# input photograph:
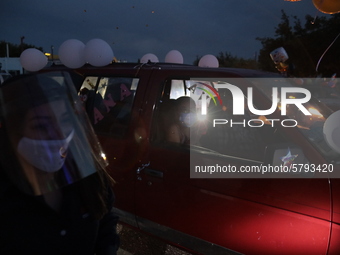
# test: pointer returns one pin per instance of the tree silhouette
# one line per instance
(226, 59)
(14, 49)
(312, 48)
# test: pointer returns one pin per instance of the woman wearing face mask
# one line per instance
(55, 196)
(184, 130)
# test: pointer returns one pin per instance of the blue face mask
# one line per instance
(188, 119)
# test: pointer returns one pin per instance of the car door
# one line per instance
(113, 98)
(225, 215)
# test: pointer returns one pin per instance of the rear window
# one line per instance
(108, 102)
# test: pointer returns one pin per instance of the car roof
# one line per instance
(220, 71)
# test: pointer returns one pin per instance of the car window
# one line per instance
(184, 117)
(108, 101)
(311, 126)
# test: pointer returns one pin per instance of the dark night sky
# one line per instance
(133, 28)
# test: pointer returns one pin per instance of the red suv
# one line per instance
(209, 170)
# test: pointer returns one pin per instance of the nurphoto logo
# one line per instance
(239, 99)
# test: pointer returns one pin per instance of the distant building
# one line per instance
(11, 65)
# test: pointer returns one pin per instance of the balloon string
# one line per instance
(317, 66)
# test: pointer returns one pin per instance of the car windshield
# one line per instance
(311, 126)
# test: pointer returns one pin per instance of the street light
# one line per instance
(52, 47)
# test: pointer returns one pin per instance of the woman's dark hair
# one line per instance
(94, 190)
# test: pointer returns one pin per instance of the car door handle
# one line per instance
(141, 168)
(153, 173)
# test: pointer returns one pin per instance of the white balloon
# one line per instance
(152, 57)
(33, 60)
(208, 61)
(72, 53)
(174, 56)
(98, 52)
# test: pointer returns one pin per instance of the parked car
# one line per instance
(191, 193)
(4, 76)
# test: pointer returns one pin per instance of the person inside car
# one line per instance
(55, 195)
(185, 127)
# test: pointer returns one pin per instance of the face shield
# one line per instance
(47, 141)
